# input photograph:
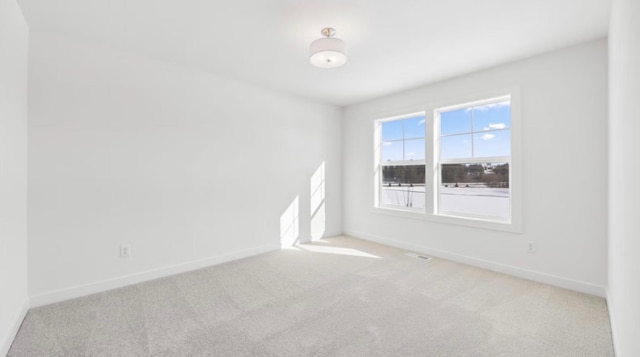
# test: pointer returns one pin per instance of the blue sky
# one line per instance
(488, 132)
(481, 131)
(412, 130)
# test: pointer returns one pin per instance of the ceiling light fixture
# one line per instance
(328, 52)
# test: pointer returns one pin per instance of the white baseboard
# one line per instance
(7, 340)
(51, 297)
(612, 322)
(576, 285)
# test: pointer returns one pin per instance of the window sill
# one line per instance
(453, 220)
(398, 212)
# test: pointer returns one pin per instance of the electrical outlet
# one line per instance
(531, 248)
(125, 250)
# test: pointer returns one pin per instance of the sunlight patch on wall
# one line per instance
(317, 188)
(317, 192)
(290, 224)
(318, 223)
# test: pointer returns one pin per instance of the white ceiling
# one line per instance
(393, 44)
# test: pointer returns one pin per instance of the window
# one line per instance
(401, 166)
(474, 146)
(456, 164)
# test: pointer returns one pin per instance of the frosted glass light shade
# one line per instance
(328, 52)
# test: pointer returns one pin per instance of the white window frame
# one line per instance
(465, 160)
(379, 164)
(432, 151)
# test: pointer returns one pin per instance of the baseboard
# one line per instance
(612, 322)
(576, 285)
(109, 284)
(7, 340)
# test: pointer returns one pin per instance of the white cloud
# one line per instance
(411, 154)
(488, 136)
(387, 143)
(421, 121)
(496, 126)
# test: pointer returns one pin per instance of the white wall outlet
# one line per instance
(125, 250)
(531, 248)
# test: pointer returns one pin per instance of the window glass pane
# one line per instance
(403, 186)
(456, 146)
(414, 127)
(392, 150)
(414, 149)
(455, 121)
(492, 116)
(392, 130)
(475, 190)
(492, 143)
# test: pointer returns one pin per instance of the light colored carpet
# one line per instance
(337, 297)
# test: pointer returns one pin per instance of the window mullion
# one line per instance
(403, 139)
(476, 160)
(473, 130)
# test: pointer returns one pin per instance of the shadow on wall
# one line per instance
(290, 219)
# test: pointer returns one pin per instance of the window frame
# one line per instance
(380, 164)
(438, 161)
(432, 151)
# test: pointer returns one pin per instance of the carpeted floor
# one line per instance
(337, 297)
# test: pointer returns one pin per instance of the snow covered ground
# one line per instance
(493, 202)
(412, 197)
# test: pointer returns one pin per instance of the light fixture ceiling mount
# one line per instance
(328, 52)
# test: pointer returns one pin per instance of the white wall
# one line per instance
(188, 168)
(564, 128)
(624, 169)
(14, 37)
